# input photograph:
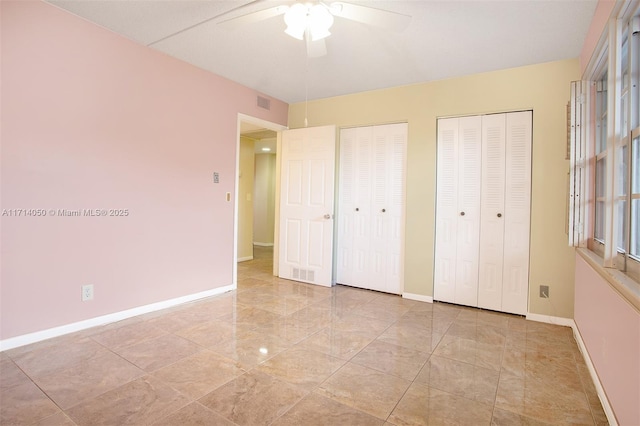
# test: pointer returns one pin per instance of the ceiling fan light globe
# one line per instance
(296, 19)
(319, 16)
(313, 21)
(296, 15)
(320, 20)
(296, 32)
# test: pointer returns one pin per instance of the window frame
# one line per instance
(622, 101)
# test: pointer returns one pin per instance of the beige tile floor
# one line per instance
(284, 353)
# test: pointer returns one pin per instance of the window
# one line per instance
(601, 155)
(634, 249)
(615, 146)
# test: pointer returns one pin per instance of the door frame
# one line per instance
(278, 128)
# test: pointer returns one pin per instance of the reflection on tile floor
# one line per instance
(285, 353)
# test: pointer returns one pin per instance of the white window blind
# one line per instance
(578, 165)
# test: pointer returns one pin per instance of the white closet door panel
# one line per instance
(444, 286)
(364, 213)
(372, 207)
(391, 211)
(517, 213)
(364, 168)
(396, 210)
(492, 212)
(395, 256)
(379, 243)
(346, 207)
(468, 224)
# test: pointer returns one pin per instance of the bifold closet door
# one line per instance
(353, 211)
(371, 207)
(492, 220)
(517, 212)
(458, 210)
(483, 211)
(387, 207)
(506, 201)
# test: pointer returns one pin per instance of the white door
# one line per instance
(483, 211)
(388, 203)
(517, 213)
(458, 210)
(492, 212)
(371, 207)
(354, 221)
(306, 204)
(347, 207)
(444, 287)
(469, 174)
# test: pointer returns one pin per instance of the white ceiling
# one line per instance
(444, 39)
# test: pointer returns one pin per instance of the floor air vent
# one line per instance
(303, 274)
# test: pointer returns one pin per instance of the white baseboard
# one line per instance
(418, 297)
(255, 243)
(606, 406)
(567, 322)
(27, 339)
(244, 259)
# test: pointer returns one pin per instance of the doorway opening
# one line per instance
(256, 191)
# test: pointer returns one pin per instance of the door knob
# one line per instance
(357, 209)
(499, 214)
(461, 213)
(327, 216)
(384, 210)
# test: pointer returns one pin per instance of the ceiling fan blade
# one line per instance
(204, 21)
(370, 15)
(316, 48)
(252, 17)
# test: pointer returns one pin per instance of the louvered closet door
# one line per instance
(444, 286)
(363, 212)
(387, 208)
(345, 259)
(371, 209)
(517, 213)
(483, 211)
(492, 212)
(469, 184)
(355, 211)
(458, 210)
(396, 196)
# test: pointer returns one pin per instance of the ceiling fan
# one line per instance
(311, 20)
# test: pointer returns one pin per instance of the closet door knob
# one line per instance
(499, 214)
(357, 209)
(384, 210)
(461, 213)
(327, 216)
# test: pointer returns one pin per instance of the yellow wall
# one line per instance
(264, 199)
(544, 88)
(245, 199)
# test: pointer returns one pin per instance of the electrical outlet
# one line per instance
(544, 291)
(87, 292)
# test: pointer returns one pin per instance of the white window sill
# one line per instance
(628, 288)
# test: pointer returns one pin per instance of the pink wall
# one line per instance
(91, 120)
(610, 329)
(597, 27)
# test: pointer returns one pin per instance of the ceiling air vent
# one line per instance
(264, 102)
